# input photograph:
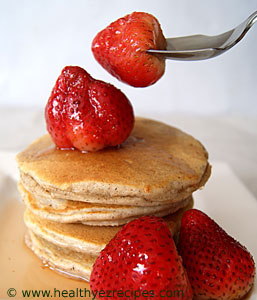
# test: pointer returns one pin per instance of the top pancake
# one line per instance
(157, 163)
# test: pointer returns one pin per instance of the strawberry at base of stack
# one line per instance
(142, 261)
(218, 266)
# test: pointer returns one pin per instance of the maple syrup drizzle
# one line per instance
(22, 269)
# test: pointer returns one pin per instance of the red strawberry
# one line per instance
(87, 114)
(141, 262)
(218, 266)
(121, 49)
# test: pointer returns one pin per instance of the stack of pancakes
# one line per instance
(76, 202)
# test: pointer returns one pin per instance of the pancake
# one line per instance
(95, 214)
(83, 238)
(75, 264)
(157, 164)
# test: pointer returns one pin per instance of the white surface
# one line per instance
(8, 166)
(224, 198)
(38, 38)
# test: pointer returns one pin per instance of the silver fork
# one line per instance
(198, 47)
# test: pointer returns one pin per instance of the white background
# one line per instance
(38, 38)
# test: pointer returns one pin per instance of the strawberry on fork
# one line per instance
(121, 49)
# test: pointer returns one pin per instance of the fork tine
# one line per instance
(198, 47)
